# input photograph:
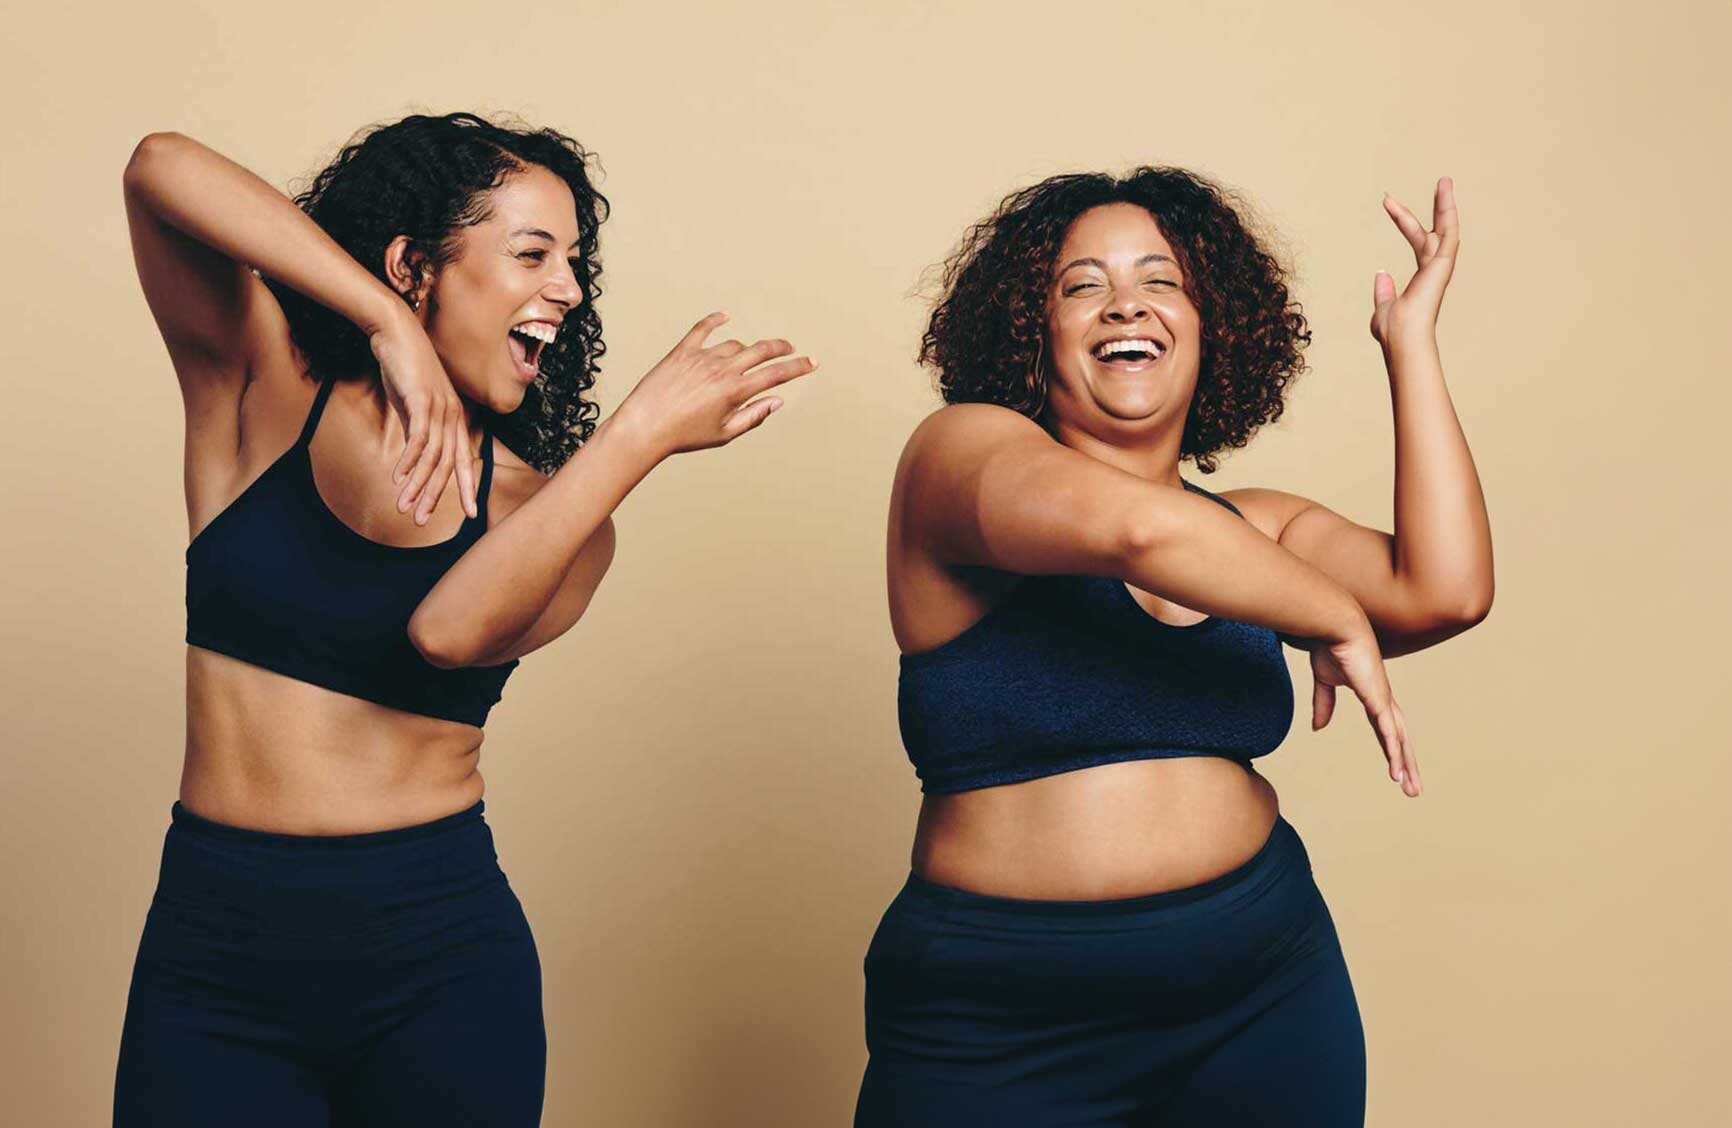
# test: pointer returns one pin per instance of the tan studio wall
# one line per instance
(699, 793)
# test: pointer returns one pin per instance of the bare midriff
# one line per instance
(268, 752)
(1101, 833)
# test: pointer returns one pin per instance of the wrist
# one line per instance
(1410, 345)
(633, 433)
(385, 317)
(1350, 623)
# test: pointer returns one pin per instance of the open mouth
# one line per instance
(1129, 352)
(528, 341)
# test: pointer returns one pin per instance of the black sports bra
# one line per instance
(278, 580)
(1066, 672)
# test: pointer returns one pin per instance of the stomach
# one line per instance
(267, 752)
(1102, 833)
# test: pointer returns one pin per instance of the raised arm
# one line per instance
(983, 485)
(1432, 577)
(529, 578)
(198, 222)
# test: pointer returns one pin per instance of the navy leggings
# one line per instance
(379, 979)
(1221, 1003)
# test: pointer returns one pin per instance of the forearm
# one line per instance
(210, 198)
(1194, 552)
(1442, 535)
(499, 588)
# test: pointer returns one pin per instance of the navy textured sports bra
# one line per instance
(279, 581)
(1066, 672)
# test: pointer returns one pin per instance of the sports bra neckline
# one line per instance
(301, 450)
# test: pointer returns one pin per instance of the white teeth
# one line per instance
(1135, 344)
(540, 330)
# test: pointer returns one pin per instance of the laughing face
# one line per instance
(495, 307)
(1124, 339)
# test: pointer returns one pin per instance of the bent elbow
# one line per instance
(1476, 605)
(1137, 535)
(441, 651)
(145, 155)
(1461, 614)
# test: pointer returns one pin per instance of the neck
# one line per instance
(382, 420)
(1155, 460)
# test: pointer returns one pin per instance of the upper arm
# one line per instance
(1359, 558)
(209, 308)
(570, 600)
(983, 485)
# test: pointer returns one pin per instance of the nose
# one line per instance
(563, 288)
(1127, 307)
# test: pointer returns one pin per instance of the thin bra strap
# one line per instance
(485, 485)
(312, 423)
(1216, 498)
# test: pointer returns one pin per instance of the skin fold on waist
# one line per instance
(1100, 833)
(267, 752)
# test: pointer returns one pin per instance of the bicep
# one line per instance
(569, 601)
(982, 485)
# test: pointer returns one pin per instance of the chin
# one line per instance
(1131, 409)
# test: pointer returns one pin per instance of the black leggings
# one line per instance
(376, 979)
(1225, 1003)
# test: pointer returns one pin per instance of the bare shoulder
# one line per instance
(1268, 510)
(964, 430)
(966, 421)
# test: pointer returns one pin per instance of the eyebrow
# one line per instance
(538, 233)
(1095, 262)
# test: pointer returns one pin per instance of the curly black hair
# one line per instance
(988, 328)
(426, 177)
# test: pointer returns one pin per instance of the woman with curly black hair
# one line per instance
(332, 940)
(1108, 921)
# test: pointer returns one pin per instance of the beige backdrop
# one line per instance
(699, 794)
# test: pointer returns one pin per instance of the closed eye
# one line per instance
(1080, 287)
(533, 256)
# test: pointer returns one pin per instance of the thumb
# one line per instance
(1382, 289)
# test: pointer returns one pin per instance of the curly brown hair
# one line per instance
(988, 328)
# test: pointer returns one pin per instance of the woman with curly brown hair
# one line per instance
(1108, 921)
(332, 939)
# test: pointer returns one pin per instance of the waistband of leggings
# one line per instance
(280, 878)
(1282, 852)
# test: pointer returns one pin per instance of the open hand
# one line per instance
(700, 396)
(1413, 312)
(435, 422)
(1358, 664)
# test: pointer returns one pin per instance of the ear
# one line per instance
(406, 270)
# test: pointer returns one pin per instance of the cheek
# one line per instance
(1068, 328)
(1181, 314)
